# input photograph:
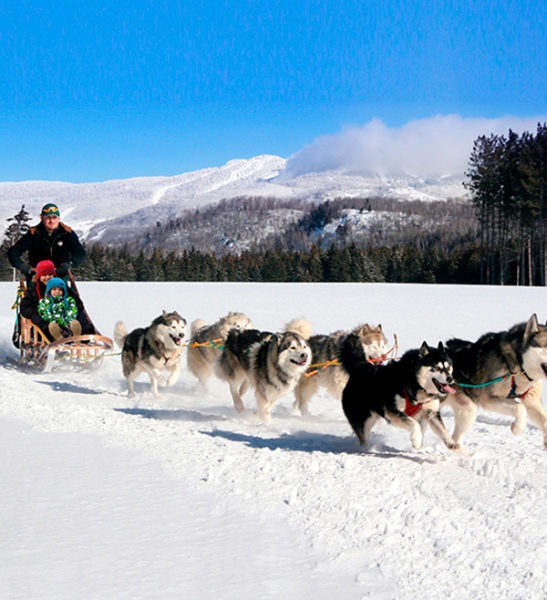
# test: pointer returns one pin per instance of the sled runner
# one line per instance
(39, 351)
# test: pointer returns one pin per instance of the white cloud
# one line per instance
(435, 146)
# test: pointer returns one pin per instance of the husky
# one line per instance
(201, 359)
(407, 393)
(270, 363)
(152, 349)
(508, 368)
(326, 351)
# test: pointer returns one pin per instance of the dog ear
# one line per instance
(531, 329)
(440, 347)
(424, 349)
(272, 342)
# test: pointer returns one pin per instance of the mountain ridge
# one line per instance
(95, 208)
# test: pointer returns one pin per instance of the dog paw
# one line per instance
(172, 380)
(239, 406)
(417, 440)
(517, 426)
(265, 417)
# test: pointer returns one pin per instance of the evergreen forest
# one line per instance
(495, 237)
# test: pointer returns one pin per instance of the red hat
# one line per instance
(45, 267)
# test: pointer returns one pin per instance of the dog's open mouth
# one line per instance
(443, 388)
(177, 339)
(544, 367)
(300, 362)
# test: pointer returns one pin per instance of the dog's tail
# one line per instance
(300, 325)
(352, 355)
(120, 333)
(464, 357)
(196, 326)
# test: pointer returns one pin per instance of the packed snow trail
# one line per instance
(387, 523)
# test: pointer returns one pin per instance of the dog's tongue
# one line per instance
(447, 388)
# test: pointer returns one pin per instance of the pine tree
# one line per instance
(533, 207)
(16, 229)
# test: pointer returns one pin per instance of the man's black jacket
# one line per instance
(62, 246)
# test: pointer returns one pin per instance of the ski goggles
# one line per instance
(50, 210)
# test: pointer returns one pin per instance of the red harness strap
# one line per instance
(411, 409)
(513, 393)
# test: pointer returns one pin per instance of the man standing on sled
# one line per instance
(49, 240)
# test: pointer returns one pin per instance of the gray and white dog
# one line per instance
(206, 343)
(508, 367)
(152, 349)
(271, 363)
(326, 350)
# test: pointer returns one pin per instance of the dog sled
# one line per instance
(37, 350)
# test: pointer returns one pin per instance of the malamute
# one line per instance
(407, 393)
(326, 350)
(152, 349)
(507, 369)
(205, 340)
(270, 363)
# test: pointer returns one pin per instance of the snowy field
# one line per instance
(107, 499)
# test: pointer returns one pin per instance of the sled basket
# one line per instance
(39, 351)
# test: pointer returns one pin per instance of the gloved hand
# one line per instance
(62, 269)
(25, 269)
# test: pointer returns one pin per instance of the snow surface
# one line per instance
(103, 498)
(92, 208)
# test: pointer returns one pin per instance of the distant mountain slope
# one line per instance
(108, 208)
(260, 224)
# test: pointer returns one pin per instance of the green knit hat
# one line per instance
(50, 210)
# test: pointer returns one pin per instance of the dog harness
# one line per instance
(411, 409)
(512, 395)
(513, 391)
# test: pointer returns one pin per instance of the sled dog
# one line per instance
(509, 366)
(326, 348)
(201, 359)
(152, 349)
(270, 363)
(407, 393)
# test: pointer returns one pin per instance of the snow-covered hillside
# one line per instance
(107, 499)
(93, 208)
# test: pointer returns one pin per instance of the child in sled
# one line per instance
(36, 290)
(59, 310)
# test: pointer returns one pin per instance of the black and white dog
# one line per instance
(152, 349)
(502, 371)
(407, 392)
(270, 363)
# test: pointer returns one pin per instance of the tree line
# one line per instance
(496, 238)
(507, 176)
(401, 264)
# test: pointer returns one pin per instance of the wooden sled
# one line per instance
(38, 351)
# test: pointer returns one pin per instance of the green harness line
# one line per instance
(479, 385)
(513, 395)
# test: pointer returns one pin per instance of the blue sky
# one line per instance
(92, 91)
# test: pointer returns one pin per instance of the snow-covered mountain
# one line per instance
(93, 208)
